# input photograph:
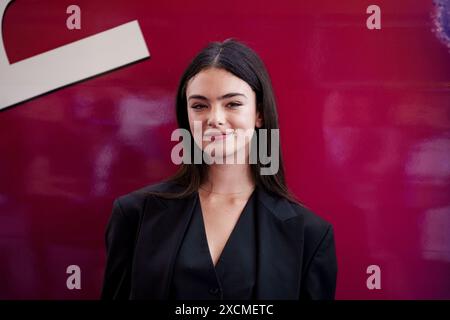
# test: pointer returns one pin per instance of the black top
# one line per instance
(196, 278)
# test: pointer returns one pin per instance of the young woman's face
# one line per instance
(224, 107)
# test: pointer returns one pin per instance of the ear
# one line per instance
(259, 120)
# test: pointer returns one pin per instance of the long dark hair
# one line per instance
(240, 60)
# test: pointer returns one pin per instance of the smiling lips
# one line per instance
(219, 137)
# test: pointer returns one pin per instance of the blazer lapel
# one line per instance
(279, 249)
(162, 228)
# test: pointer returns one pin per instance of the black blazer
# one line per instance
(295, 251)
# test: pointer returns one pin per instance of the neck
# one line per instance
(228, 179)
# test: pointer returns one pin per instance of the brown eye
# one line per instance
(234, 104)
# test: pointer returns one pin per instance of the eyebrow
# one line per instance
(225, 96)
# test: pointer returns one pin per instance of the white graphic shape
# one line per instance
(68, 64)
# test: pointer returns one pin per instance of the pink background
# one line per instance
(365, 128)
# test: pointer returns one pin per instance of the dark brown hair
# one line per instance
(240, 60)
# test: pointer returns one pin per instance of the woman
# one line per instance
(220, 229)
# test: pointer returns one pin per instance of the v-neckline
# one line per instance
(227, 242)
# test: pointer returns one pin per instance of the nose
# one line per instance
(216, 117)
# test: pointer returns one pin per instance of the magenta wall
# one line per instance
(365, 128)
